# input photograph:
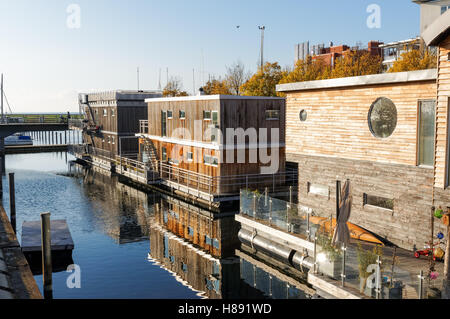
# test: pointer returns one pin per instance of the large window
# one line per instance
(382, 118)
(426, 132)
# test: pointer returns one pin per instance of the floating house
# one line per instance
(380, 132)
(112, 119)
(212, 146)
(437, 33)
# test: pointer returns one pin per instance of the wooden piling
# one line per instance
(12, 202)
(46, 255)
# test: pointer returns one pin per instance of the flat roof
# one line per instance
(212, 97)
(400, 42)
(385, 78)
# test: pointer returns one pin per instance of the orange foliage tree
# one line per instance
(356, 63)
(307, 70)
(264, 81)
(216, 86)
(413, 60)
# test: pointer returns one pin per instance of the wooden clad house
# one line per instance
(185, 140)
(437, 33)
(378, 131)
(113, 115)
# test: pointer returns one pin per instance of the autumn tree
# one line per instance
(174, 88)
(356, 63)
(216, 86)
(416, 59)
(307, 70)
(236, 76)
(264, 81)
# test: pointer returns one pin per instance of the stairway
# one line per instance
(152, 154)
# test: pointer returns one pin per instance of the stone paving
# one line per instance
(4, 279)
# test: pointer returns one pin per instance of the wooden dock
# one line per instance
(61, 237)
(25, 149)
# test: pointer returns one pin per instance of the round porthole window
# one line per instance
(303, 115)
(382, 118)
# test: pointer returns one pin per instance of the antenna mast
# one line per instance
(138, 77)
(262, 28)
(159, 83)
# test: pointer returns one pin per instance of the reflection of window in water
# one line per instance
(166, 246)
(184, 267)
(216, 244)
(166, 217)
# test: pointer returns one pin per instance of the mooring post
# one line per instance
(46, 255)
(12, 201)
(60, 138)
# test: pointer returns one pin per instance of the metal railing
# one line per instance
(374, 271)
(40, 118)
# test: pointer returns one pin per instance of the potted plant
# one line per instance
(365, 259)
(393, 289)
(329, 257)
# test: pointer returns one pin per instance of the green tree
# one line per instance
(264, 81)
(413, 60)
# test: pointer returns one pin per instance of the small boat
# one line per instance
(18, 139)
(356, 232)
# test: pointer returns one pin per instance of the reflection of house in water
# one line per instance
(214, 234)
(199, 251)
(120, 210)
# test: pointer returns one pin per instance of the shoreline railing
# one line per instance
(374, 271)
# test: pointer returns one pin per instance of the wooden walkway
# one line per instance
(61, 237)
(25, 149)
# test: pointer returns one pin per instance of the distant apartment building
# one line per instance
(329, 54)
(393, 51)
(112, 115)
(186, 141)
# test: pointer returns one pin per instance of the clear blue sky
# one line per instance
(45, 63)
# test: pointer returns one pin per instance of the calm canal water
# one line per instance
(130, 244)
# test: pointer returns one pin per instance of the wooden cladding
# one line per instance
(167, 117)
(337, 122)
(442, 115)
